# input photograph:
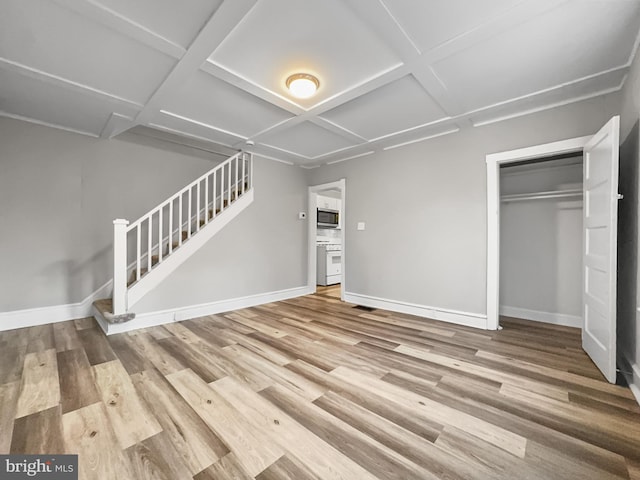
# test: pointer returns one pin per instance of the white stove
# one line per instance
(329, 259)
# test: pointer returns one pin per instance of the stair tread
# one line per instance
(104, 305)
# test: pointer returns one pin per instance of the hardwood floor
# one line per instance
(313, 388)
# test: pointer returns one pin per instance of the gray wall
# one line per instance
(262, 250)
(628, 285)
(540, 242)
(425, 207)
(59, 193)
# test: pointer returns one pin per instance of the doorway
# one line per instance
(326, 245)
(599, 245)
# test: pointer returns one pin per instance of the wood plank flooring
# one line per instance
(313, 388)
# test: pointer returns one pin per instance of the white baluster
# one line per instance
(215, 200)
(198, 207)
(120, 266)
(189, 216)
(229, 185)
(251, 170)
(138, 257)
(170, 249)
(236, 179)
(160, 235)
(149, 240)
(206, 200)
(180, 220)
(243, 173)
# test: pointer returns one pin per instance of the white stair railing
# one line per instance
(145, 244)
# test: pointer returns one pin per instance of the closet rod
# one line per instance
(519, 197)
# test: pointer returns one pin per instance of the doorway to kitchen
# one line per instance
(326, 253)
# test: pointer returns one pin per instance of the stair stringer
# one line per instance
(180, 255)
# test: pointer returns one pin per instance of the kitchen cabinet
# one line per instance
(328, 202)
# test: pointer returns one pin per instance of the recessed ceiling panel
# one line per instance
(281, 37)
(215, 102)
(308, 140)
(42, 35)
(575, 40)
(48, 103)
(430, 23)
(402, 104)
(175, 21)
(591, 87)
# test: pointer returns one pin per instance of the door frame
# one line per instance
(494, 161)
(312, 229)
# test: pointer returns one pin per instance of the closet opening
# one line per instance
(540, 239)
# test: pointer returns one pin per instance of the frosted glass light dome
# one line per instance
(302, 85)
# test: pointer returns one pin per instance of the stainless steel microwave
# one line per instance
(328, 218)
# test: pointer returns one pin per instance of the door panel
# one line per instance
(600, 247)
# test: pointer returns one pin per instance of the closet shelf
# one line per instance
(519, 197)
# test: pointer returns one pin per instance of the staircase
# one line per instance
(146, 251)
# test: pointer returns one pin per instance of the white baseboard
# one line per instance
(631, 372)
(477, 320)
(57, 313)
(538, 316)
(153, 319)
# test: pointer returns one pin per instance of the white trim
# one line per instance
(47, 124)
(476, 320)
(267, 157)
(364, 154)
(540, 316)
(531, 111)
(161, 317)
(111, 19)
(58, 81)
(202, 124)
(422, 139)
(57, 313)
(494, 160)
(180, 132)
(313, 229)
(631, 373)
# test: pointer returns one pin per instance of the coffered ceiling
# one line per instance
(391, 72)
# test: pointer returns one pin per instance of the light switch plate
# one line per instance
(360, 225)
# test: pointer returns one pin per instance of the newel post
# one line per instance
(120, 266)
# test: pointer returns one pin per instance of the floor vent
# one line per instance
(366, 309)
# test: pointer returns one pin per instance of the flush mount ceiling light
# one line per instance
(302, 85)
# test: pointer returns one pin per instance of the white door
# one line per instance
(600, 247)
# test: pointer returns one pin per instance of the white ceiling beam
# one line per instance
(383, 23)
(97, 12)
(34, 73)
(219, 25)
(387, 27)
(221, 73)
(337, 129)
(114, 124)
(343, 97)
(508, 20)
(46, 124)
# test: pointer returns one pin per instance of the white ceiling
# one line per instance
(391, 71)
